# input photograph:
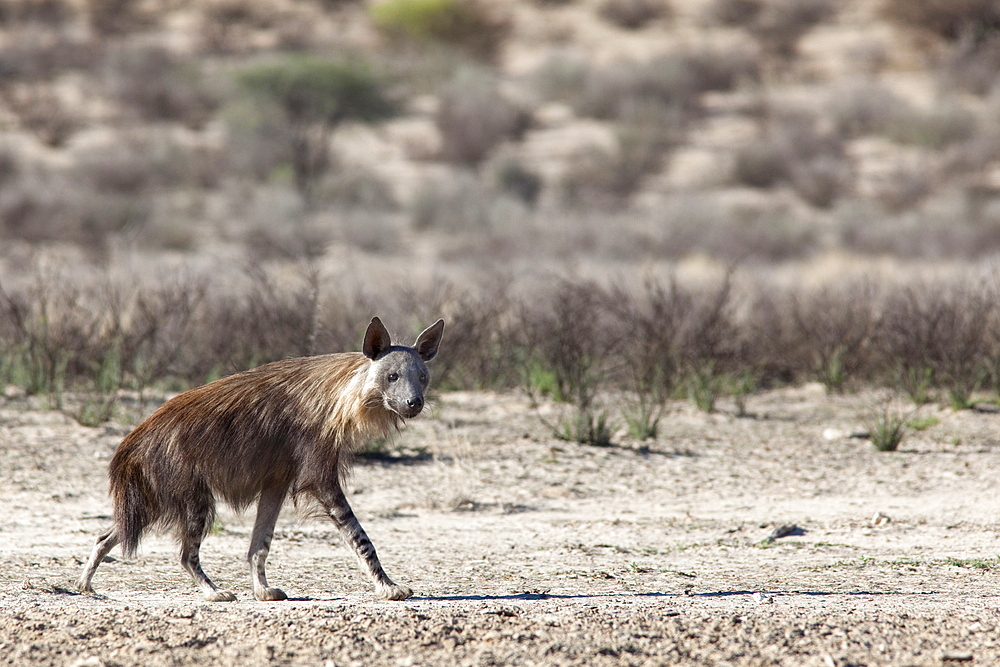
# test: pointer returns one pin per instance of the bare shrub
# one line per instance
(474, 117)
(143, 162)
(481, 326)
(822, 179)
(49, 331)
(29, 210)
(226, 25)
(62, 333)
(781, 23)
(47, 12)
(835, 326)
(864, 108)
(356, 189)
(152, 328)
(573, 342)
(737, 13)
(122, 168)
(677, 339)
(267, 319)
(260, 140)
(158, 85)
(693, 224)
(464, 204)
(653, 102)
(760, 165)
(941, 334)
(672, 335)
(118, 17)
(41, 205)
(793, 151)
(634, 14)
(561, 76)
(32, 54)
(943, 226)
(722, 68)
(606, 178)
(43, 113)
(973, 64)
(672, 82)
(936, 127)
(906, 187)
(569, 346)
(514, 177)
(950, 19)
(766, 339)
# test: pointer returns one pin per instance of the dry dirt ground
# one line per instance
(523, 549)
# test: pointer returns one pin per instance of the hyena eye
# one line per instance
(393, 377)
(423, 378)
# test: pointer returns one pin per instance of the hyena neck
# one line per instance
(357, 413)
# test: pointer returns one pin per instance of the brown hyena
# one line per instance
(287, 428)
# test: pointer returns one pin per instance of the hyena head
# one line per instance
(399, 373)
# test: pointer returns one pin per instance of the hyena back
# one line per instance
(287, 428)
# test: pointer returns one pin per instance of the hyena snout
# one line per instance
(408, 406)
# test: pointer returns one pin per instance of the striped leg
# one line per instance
(260, 543)
(340, 511)
(105, 543)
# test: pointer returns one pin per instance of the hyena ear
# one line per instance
(376, 339)
(428, 341)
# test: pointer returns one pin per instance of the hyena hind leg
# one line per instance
(193, 532)
(350, 528)
(268, 509)
(107, 541)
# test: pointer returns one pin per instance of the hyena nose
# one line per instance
(416, 402)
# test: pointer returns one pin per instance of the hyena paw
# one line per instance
(220, 596)
(270, 594)
(394, 592)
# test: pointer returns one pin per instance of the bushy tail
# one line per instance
(134, 505)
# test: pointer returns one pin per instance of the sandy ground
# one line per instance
(523, 549)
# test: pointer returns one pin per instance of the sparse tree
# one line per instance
(314, 96)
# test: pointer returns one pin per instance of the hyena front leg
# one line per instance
(340, 511)
(260, 543)
(105, 543)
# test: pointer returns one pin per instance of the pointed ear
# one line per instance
(376, 339)
(428, 341)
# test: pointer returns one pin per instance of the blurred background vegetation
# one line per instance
(188, 188)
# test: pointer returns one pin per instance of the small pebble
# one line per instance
(880, 519)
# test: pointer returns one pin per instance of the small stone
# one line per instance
(956, 656)
(879, 519)
(92, 661)
(784, 530)
(762, 598)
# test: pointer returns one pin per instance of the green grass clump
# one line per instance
(587, 428)
(887, 426)
(923, 423)
(468, 25)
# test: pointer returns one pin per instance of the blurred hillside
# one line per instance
(508, 133)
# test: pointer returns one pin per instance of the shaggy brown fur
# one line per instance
(285, 428)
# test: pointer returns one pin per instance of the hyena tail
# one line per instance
(134, 506)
